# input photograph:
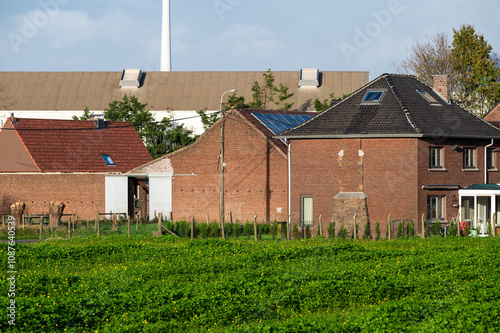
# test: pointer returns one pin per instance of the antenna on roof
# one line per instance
(165, 64)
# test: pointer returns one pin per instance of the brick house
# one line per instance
(395, 146)
(64, 160)
(255, 173)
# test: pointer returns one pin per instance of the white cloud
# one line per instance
(245, 41)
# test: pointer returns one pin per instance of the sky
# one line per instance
(230, 35)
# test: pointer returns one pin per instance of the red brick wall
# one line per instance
(255, 176)
(493, 117)
(83, 194)
(453, 174)
(385, 173)
(391, 173)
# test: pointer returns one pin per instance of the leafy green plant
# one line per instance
(436, 228)
(214, 230)
(295, 231)
(343, 232)
(308, 232)
(411, 229)
(274, 230)
(248, 230)
(452, 231)
(377, 230)
(331, 230)
(204, 230)
(401, 229)
(367, 232)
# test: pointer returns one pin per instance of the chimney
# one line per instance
(165, 64)
(442, 85)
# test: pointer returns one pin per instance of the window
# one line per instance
(428, 97)
(436, 158)
(469, 158)
(373, 96)
(435, 207)
(491, 159)
(107, 159)
(307, 210)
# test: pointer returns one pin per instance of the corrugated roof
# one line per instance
(161, 90)
(401, 112)
(77, 145)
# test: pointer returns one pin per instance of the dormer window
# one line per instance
(428, 97)
(373, 96)
(108, 160)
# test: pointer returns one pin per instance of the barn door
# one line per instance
(116, 194)
(160, 194)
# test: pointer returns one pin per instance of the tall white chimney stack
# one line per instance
(165, 64)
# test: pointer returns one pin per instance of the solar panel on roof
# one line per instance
(278, 123)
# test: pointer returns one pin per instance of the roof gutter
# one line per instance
(349, 136)
(486, 161)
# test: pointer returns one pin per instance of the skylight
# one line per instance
(428, 97)
(373, 96)
(107, 159)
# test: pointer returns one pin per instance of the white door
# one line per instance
(160, 194)
(116, 194)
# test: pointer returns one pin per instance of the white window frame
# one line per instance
(491, 159)
(304, 209)
(436, 158)
(439, 201)
(470, 158)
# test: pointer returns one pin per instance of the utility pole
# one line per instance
(222, 165)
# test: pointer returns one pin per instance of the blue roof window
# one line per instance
(108, 160)
(373, 96)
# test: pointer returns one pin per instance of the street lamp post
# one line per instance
(222, 165)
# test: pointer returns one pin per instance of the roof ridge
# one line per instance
(400, 100)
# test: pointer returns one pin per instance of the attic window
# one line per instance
(373, 96)
(108, 160)
(131, 78)
(428, 97)
(309, 77)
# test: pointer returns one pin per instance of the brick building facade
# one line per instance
(255, 175)
(64, 160)
(400, 144)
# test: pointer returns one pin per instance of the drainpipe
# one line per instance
(486, 161)
(289, 190)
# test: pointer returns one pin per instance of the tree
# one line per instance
(86, 114)
(269, 93)
(327, 102)
(159, 137)
(477, 85)
(428, 58)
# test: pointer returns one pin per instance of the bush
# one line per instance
(377, 230)
(274, 230)
(436, 228)
(401, 229)
(331, 230)
(411, 229)
(367, 234)
(295, 231)
(204, 230)
(214, 230)
(248, 229)
(308, 232)
(236, 229)
(452, 231)
(284, 229)
(343, 232)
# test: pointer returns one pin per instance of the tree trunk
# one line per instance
(56, 209)
(17, 210)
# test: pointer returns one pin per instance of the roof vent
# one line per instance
(99, 123)
(309, 77)
(131, 78)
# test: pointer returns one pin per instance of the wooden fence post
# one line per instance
(97, 225)
(159, 225)
(192, 228)
(255, 226)
(41, 228)
(231, 217)
(115, 225)
(136, 222)
(423, 226)
(320, 225)
(389, 227)
(69, 228)
(128, 225)
(354, 230)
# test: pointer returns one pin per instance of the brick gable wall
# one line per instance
(255, 176)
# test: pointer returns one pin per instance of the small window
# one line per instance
(491, 159)
(428, 97)
(307, 210)
(435, 207)
(469, 158)
(107, 159)
(373, 96)
(436, 158)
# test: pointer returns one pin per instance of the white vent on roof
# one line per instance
(309, 77)
(131, 78)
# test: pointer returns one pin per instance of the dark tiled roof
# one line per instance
(402, 112)
(77, 145)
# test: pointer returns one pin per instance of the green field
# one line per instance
(121, 284)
